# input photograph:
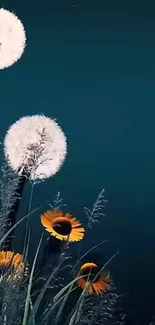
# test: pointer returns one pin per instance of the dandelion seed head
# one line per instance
(35, 146)
(12, 38)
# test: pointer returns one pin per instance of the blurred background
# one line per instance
(91, 66)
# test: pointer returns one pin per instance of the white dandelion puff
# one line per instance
(35, 147)
(12, 38)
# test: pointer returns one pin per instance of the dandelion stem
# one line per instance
(27, 233)
(16, 224)
(27, 303)
(14, 210)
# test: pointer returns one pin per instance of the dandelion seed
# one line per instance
(12, 38)
(35, 147)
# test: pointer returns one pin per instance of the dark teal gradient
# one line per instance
(92, 67)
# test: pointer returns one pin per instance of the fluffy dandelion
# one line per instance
(12, 38)
(62, 227)
(35, 147)
(98, 284)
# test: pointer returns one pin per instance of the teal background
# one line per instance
(91, 66)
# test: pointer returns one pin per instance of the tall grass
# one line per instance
(35, 298)
(50, 304)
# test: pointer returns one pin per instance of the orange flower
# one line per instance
(9, 258)
(98, 284)
(63, 227)
(13, 262)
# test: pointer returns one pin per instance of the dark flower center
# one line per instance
(91, 273)
(62, 227)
